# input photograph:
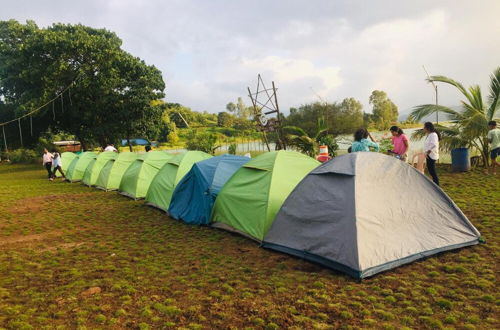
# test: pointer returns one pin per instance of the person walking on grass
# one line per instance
(57, 165)
(361, 142)
(47, 162)
(400, 143)
(494, 140)
(431, 150)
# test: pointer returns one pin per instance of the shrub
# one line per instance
(203, 141)
(173, 138)
(232, 149)
(24, 156)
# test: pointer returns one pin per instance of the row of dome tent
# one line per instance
(360, 213)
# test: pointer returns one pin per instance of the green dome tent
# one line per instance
(94, 168)
(138, 176)
(77, 168)
(71, 166)
(249, 201)
(364, 212)
(163, 185)
(112, 172)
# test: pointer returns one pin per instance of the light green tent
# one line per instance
(163, 185)
(140, 173)
(249, 201)
(112, 172)
(66, 159)
(71, 166)
(94, 168)
(77, 168)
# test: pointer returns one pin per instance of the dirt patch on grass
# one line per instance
(19, 239)
(62, 246)
(41, 203)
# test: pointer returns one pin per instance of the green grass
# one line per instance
(58, 240)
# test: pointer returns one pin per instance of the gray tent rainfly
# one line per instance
(363, 213)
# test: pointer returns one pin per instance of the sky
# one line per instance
(210, 51)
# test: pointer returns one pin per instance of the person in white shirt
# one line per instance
(110, 147)
(431, 150)
(57, 165)
(47, 162)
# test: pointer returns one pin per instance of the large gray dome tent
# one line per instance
(363, 213)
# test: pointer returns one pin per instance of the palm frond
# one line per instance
(425, 110)
(418, 134)
(304, 144)
(443, 131)
(477, 99)
(474, 126)
(452, 82)
(449, 143)
(494, 96)
(294, 130)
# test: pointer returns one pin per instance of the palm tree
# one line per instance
(470, 124)
(298, 138)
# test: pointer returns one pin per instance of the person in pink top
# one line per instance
(47, 162)
(400, 143)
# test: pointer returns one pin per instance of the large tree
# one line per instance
(385, 112)
(470, 123)
(111, 94)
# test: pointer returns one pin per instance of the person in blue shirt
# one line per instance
(361, 142)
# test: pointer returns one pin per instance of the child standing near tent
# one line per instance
(431, 150)
(400, 143)
(47, 162)
(57, 164)
(361, 142)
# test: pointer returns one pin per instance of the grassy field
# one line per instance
(77, 257)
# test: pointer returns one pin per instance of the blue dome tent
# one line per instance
(195, 194)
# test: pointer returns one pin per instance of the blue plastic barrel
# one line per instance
(460, 161)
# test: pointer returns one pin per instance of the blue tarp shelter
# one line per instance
(195, 194)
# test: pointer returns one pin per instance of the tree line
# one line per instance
(114, 95)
